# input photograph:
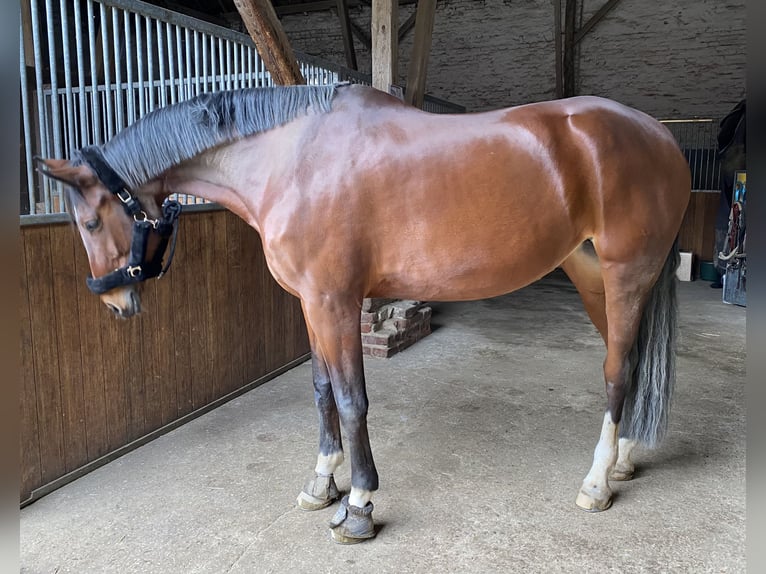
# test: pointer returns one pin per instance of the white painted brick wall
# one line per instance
(670, 58)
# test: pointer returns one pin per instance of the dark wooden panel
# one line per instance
(151, 344)
(45, 352)
(205, 375)
(252, 307)
(697, 232)
(223, 316)
(66, 310)
(235, 291)
(129, 341)
(166, 343)
(29, 452)
(92, 383)
(98, 363)
(179, 277)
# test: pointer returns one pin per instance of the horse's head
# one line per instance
(124, 237)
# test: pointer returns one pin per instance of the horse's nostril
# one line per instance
(114, 308)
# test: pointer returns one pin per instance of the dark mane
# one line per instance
(170, 135)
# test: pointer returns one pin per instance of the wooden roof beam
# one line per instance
(421, 49)
(595, 19)
(270, 40)
(319, 5)
(348, 38)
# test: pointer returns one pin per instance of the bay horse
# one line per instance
(356, 194)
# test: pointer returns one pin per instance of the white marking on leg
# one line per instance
(359, 497)
(596, 485)
(625, 446)
(327, 463)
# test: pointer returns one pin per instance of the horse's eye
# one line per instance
(92, 225)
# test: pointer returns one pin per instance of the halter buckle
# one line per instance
(142, 217)
(126, 198)
(134, 270)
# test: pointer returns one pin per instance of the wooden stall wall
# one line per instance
(697, 232)
(92, 383)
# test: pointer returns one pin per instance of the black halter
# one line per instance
(138, 268)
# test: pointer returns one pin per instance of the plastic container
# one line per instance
(707, 271)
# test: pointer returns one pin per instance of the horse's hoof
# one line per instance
(352, 524)
(319, 492)
(622, 474)
(590, 503)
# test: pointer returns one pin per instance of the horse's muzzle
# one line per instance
(123, 303)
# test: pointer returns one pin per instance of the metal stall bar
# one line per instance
(221, 64)
(171, 63)
(161, 59)
(97, 135)
(27, 124)
(187, 52)
(106, 41)
(69, 132)
(118, 99)
(55, 125)
(150, 63)
(196, 64)
(41, 115)
(80, 52)
(179, 64)
(130, 96)
(140, 66)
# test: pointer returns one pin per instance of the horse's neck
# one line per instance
(233, 176)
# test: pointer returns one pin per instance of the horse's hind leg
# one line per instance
(335, 324)
(320, 490)
(626, 290)
(623, 468)
(583, 269)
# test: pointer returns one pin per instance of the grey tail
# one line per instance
(652, 361)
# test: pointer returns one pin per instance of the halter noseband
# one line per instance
(138, 268)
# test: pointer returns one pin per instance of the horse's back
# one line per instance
(475, 205)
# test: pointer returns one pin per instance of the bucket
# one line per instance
(707, 271)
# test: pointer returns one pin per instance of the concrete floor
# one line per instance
(482, 433)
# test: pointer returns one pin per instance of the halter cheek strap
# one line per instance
(138, 268)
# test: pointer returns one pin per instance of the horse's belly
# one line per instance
(469, 266)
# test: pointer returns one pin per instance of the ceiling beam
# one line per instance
(421, 49)
(348, 38)
(595, 19)
(408, 25)
(319, 5)
(362, 35)
(305, 7)
(270, 40)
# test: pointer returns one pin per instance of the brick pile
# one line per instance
(392, 325)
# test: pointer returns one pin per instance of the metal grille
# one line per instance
(699, 144)
(99, 65)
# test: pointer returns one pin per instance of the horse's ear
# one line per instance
(61, 170)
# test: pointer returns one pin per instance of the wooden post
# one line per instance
(348, 39)
(570, 17)
(557, 44)
(385, 26)
(421, 49)
(270, 40)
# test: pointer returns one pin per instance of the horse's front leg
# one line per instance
(320, 490)
(336, 328)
